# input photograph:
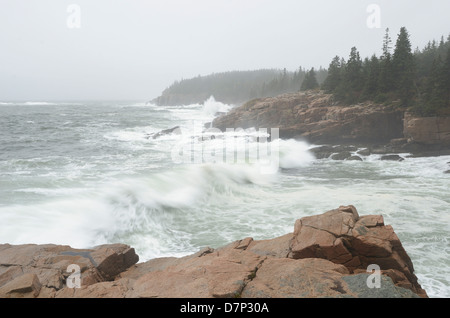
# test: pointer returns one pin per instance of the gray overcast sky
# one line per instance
(133, 49)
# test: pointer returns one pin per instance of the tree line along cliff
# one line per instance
(417, 81)
(236, 87)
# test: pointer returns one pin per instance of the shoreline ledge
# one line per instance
(326, 255)
(316, 117)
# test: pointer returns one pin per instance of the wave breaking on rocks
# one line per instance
(327, 255)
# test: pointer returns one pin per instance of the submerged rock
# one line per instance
(392, 158)
(327, 255)
(341, 156)
(322, 152)
(364, 152)
(355, 158)
(174, 130)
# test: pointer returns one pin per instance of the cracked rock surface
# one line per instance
(326, 256)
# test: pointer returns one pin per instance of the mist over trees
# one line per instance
(419, 80)
(310, 81)
(239, 86)
(416, 80)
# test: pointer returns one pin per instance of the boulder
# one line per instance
(111, 260)
(222, 273)
(364, 152)
(357, 286)
(8, 273)
(23, 286)
(277, 247)
(355, 158)
(322, 152)
(341, 156)
(49, 263)
(174, 130)
(316, 278)
(342, 237)
(341, 148)
(327, 255)
(289, 278)
(114, 289)
(392, 158)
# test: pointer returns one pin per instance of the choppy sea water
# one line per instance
(89, 173)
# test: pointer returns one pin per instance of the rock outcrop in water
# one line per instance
(326, 256)
(319, 119)
(429, 130)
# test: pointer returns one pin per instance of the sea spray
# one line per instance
(100, 180)
(211, 107)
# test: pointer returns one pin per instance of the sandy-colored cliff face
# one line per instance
(317, 118)
(427, 130)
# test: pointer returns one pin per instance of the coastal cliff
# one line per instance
(326, 255)
(317, 118)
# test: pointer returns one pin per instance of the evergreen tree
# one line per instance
(354, 73)
(438, 90)
(310, 81)
(446, 79)
(441, 43)
(334, 75)
(387, 45)
(403, 68)
(420, 80)
(385, 80)
(373, 71)
(350, 88)
(341, 91)
(431, 97)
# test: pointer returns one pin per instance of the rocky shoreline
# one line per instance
(318, 119)
(326, 255)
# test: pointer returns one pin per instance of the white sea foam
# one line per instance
(295, 154)
(87, 190)
(211, 107)
(38, 104)
(127, 210)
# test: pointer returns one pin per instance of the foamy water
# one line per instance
(84, 174)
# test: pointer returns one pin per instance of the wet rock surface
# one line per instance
(327, 255)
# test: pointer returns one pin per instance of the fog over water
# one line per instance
(79, 165)
(134, 49)
(84, 174)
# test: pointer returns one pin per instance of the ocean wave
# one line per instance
(211, 107)
(154, 208)
(38, 104)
